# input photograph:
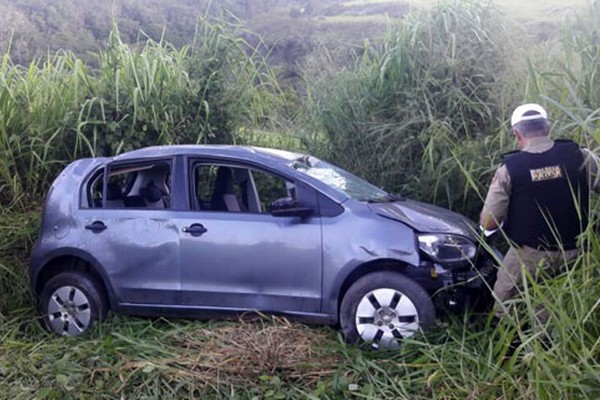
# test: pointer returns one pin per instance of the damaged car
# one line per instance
(204, 231)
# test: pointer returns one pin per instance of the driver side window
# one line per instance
(226, 188)
(271, 188)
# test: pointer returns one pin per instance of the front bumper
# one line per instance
(460, 288)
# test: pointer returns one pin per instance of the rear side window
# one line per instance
(144, 185)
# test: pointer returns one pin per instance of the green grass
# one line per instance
(431, 93)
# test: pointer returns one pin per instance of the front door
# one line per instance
(236, 255)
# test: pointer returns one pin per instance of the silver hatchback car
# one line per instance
(201, 231)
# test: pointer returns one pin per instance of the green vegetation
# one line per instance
(422, 111)
(60, 109)
(426, 89)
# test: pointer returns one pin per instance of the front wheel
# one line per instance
(383, 307)
(70, 304)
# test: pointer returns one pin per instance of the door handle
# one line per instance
(96, 226)
(195, 229)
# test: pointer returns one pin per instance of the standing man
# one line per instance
(540, 198)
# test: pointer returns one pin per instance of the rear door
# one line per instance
(128, 228)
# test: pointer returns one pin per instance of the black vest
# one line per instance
(548, 203)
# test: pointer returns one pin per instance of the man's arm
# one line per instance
(495, 206)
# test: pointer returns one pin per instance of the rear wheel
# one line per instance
(70, 304)
(384, 307)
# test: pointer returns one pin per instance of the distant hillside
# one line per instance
(32, 28)
(290, 29)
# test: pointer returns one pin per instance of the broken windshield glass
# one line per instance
(341, 180)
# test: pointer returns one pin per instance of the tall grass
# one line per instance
(36, 105)
(571, 84)
(445, 70)
(58, 109)
(17, 233)
(457, 173)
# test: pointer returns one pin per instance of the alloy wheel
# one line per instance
(69, 311)
(385, 315)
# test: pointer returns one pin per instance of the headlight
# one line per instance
(447, 249)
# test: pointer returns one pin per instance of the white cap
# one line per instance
(519, 113)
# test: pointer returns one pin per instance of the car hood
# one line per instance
(426, 218)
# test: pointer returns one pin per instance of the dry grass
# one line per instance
(239, 355)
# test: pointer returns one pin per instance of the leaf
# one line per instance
(45, 393)
(63, 381)
(148, 368)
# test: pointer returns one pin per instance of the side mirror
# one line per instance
(287, 207)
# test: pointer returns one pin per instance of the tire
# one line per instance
(381, 308)
(71, 303)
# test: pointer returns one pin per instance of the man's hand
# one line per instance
(488, 222)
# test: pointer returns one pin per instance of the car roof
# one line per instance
(242, 152)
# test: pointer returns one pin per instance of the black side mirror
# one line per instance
(288, 207)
